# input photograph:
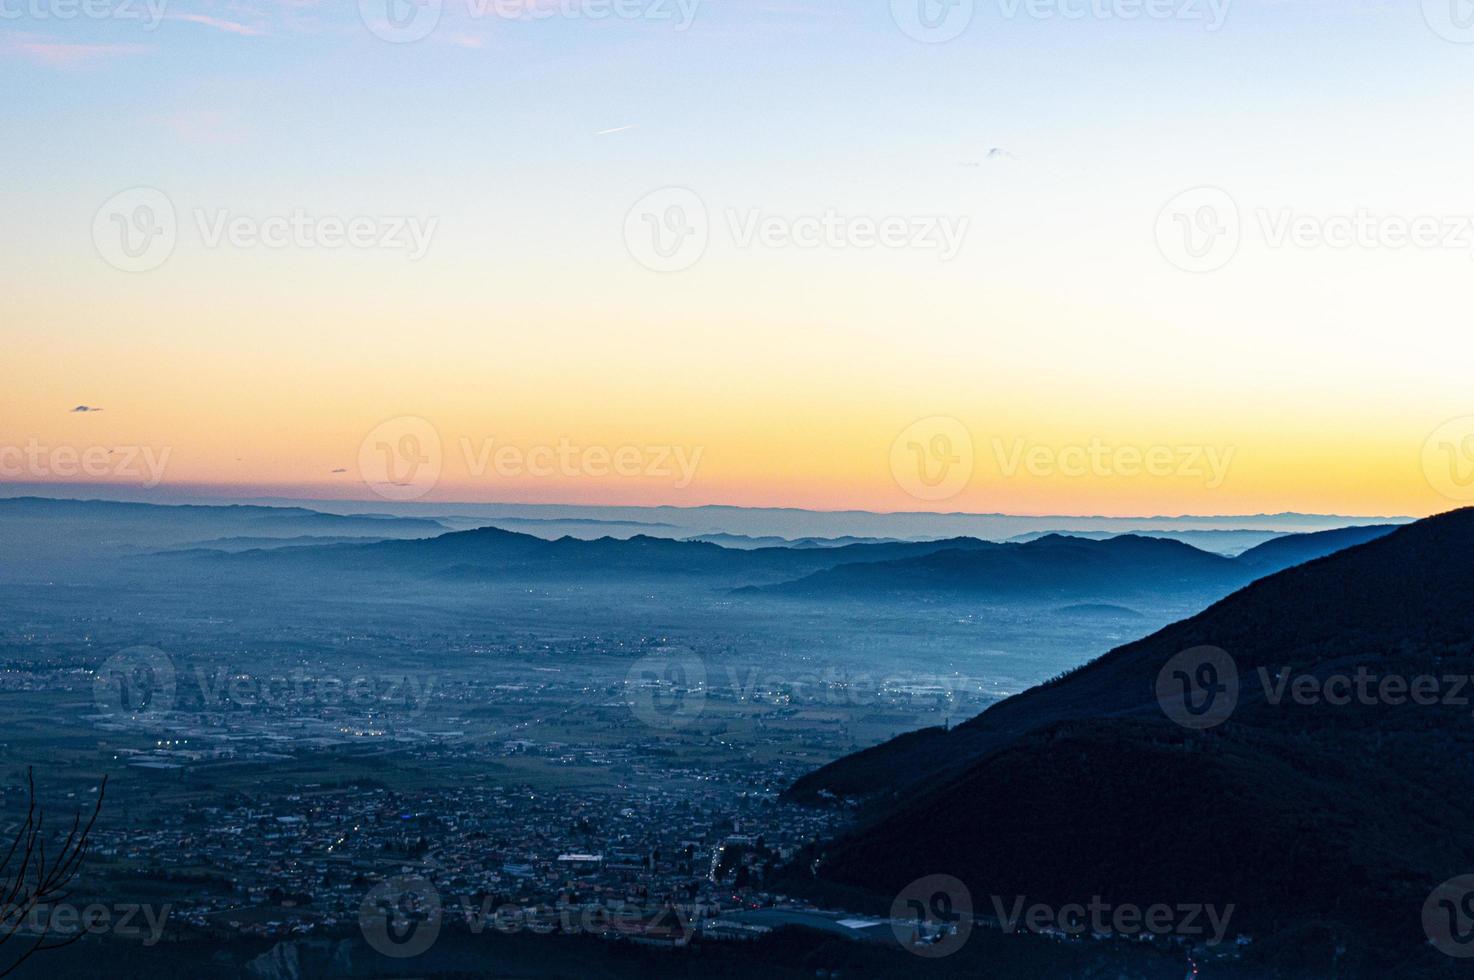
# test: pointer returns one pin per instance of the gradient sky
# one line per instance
(1324, 371)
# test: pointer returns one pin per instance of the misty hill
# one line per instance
(1294, 549)
(35, 527)
(772, 541)
(1090, 610)
(1322, 823)
(493, 553)
(1065, 566)
(258, 544)
(1055, 568)
(1222, 542)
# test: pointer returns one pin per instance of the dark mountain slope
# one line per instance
(1397, 589)
(1341, 818)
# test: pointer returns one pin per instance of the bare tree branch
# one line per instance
(39, 882)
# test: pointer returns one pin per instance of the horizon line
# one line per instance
(227, 500)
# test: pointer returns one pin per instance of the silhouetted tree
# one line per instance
(32, 879)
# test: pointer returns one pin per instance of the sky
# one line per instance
(1119, 257)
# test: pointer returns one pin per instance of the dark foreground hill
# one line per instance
(1326, 825)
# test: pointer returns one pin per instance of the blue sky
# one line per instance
(1059, 140)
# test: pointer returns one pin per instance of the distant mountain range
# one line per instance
(1056, 569)
(773, 541)
(1227, 542)
(1325, 825)
(549, 520)
(1050, 569)
(493, 554)
(1060, 566)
